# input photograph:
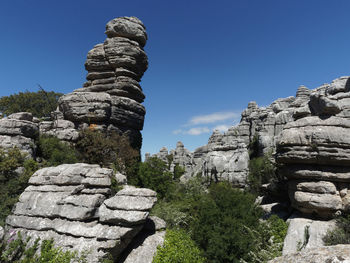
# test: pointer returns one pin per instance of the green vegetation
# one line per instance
(19, 250)
(261, 171)
(40, 103)
(178, 248)
(154, 174)
(13, 179)
(223, 222)
(339, 235)
(108, 150)
(55, 152)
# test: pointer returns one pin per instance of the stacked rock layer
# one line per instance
(111, 97)
(72, 205)
(19, 130)
(313, 152)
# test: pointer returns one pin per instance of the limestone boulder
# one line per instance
(128, 27)
(304, 233)
(331, 254)
(72, 204)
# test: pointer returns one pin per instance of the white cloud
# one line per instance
(177, 131)
(222, 128)
(193, 131)
(214, 117)
(198, 130)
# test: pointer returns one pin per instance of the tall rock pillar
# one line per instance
(111, 98)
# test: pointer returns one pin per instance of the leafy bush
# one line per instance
(108, 150)
(154, 174)
(340, 234)
(178, 248)
(55, 152)
(13, 180)
(261, 171)
(40, 103)
(21, 251)
(222, 222)
(268, 240)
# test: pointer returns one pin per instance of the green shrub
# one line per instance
(13, 181)
(55, 152)
(223, 223)
(261, 171)
(178, 248)
(108, 150)
(268, 240)
(40, 103)
(340, 234)
(179, 202)
(19, 250)
(154, 174)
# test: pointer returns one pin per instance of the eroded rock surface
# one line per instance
(111, 97)
(19, 130)
(331, 254)
(72, 204)
(313, 153)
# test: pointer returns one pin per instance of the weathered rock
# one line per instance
(304, 233)
(1, 233)
(146, 248)
(111, 97)
(15, 127)
(121, 178)
(128, 27)
(68, 204)
(331, 254)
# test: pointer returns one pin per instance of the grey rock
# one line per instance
(110, 99)
(66, 204)
(155, 223)
(15, 127)
(1, 233)
(145, 252)
(121, 178)
(121, 217)
(23, 116)
(331, 254)
(24, 144)
(128, 27)
(295, 237)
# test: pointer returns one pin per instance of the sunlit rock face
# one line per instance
(314, 152)
(110, 99)
(73, 205)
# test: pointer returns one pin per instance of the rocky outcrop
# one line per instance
(19, 130)
(313, 153)
(72, 204)
(331, 254)
(111, 97)
(305, 233)
(145, 244)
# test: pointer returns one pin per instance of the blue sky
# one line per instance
(207, 59)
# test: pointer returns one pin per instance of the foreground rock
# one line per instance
(331, 254)
(304, 233)
(111, 98)
(145, 244)
(72, 205)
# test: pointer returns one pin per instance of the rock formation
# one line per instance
(313, 152)
(19, 130)
(72, 204)
(111, 98)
